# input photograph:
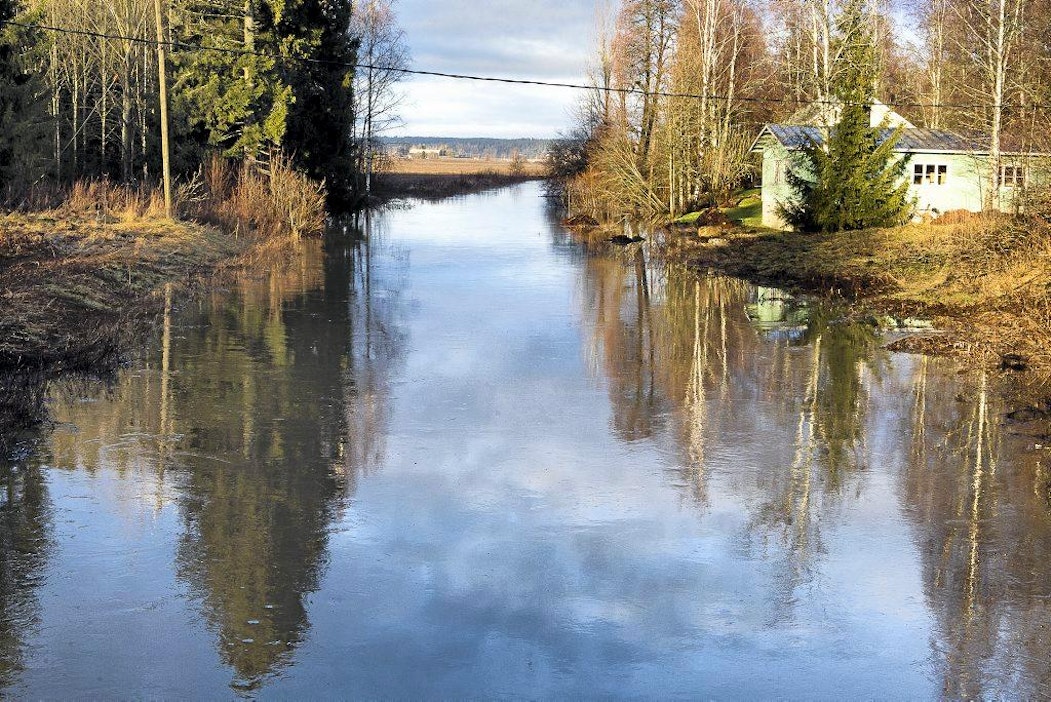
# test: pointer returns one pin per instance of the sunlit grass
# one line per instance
(985, 278)
(460, 166)
(749, 209)
(747, 212)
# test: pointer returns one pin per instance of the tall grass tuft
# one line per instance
(264, 201)
(113, 202)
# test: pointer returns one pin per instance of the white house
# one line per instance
(947, 171)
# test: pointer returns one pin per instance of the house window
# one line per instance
(1012, 177)
(929, 174)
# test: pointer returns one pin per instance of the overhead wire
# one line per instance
(184, 46)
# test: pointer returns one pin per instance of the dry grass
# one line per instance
(76, 292)
(77, 278)
(72, 286)
(266, 201)
(86, 258)
(83, 276)
(986, 280)
(462, 166)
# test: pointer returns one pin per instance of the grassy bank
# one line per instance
(436, 186)
(76, 293)
(447, 165)
(984, 282)
(83, 280)
(70, 285)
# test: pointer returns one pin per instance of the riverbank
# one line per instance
(436, 186)
(982, 284)
(71, 287)
(437, 178)
(78, 291)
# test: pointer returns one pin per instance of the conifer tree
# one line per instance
(23, 121)
(851, 179)
(321, 119)
(290, 89)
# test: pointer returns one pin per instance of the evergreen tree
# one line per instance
(290, 90)
(851, 179)
(23, 120)
(321, 118)
(234, 101)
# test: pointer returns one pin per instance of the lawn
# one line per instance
(748, 211)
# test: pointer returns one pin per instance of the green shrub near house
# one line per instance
(850, 178)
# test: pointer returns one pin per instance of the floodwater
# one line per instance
(469, 458)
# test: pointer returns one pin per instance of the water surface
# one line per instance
(470, 458)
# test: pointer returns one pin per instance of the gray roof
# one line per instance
(912, 140)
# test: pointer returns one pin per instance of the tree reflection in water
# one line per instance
(622, 342)
(25, 540)
(983, 526)
(257, 528)
(679, 353)
(263, 412)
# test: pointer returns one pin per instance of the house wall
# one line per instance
(964, 186)
(775, 190)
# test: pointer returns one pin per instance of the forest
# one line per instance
(682, 87)
(247, 80)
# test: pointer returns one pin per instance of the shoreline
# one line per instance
(79, 290)
(72, 288)
(77, 295)
(391, 187)
(962, 290)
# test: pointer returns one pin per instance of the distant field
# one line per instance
(457, 166)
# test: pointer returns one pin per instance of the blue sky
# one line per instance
(535, 39)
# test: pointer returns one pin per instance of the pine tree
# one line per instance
(321, 118)
(851, 179)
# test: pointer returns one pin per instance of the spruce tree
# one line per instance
(321, 118)
(292, 92)
(23, 120)
(851, 179)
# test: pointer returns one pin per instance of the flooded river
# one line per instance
(469, 458)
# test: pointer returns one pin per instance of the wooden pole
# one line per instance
(162, 77)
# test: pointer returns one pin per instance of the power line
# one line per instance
(489, 79)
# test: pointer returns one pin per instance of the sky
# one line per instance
(549, 40)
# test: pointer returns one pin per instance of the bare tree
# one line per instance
(989, 40)
(383, 54)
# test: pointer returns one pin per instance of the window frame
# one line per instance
(932, 173)
(1011, 176)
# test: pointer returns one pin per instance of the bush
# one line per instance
(265, 201)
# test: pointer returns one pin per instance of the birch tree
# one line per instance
(383, 53)
(989, 40)
(715, 58)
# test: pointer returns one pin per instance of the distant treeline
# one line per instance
(476, 147)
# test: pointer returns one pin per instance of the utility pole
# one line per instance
(162, 78)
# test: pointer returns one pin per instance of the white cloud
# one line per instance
(548, 40)
(443, 107)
